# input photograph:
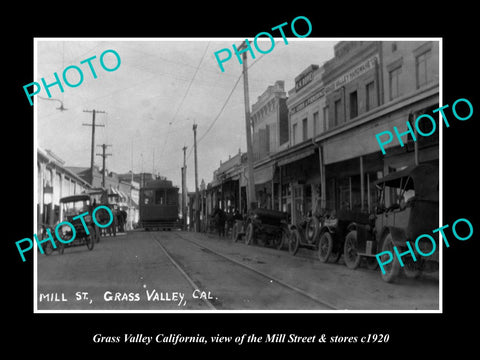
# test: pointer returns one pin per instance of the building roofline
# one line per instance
(59, 164)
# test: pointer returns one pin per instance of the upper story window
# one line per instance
(370, 99)
(316, 123)
(305, 129)
(353, 105)
(422, 68)
(394, 82)
(337, 111)
(325, 118)
(294, 134)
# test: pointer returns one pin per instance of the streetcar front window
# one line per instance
(147, 197)
(160, 197)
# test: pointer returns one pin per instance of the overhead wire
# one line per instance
(183, 99)
(228, 98)
(189, 85)
(222, 108)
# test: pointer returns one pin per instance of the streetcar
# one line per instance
(159, 206)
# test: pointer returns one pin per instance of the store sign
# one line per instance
(359, 70)
(352, 74)
(304, 81)
(308, 101)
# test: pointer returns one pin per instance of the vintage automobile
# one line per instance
(304, 233)
(70, 207)
(407, 207)
(331, 236)
(266, 227)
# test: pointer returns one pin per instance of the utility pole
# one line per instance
(197, 200)
(93, 125)
(252, 203)
(184, 188)
(153, 162)
(142, 175)
(104, 156)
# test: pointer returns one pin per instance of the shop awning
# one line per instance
(223, 179)
(133, 203)
(214, 184)
(263, 174)
(123, 195)
(296, 156)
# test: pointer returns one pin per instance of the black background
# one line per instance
(63, 335)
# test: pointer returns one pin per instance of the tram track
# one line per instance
(183, 272)
(262, 276)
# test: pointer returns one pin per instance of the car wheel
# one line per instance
(392, 269)
(311, 231)
(89, 239)
(325, 246)
(350, 253)
(294, 242)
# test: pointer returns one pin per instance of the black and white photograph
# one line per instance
(228, 179)
(216, 179)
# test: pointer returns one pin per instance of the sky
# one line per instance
(161, 88)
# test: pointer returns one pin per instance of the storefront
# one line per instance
(299, 181)
(227, 190)
(265, 185)
(353, 160)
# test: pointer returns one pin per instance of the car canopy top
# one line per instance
(425, 180)
(72, 198)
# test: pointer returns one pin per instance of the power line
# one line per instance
(218, 115)
(177, 63)
(223, 106)
(189, 85)
(221, 110)
(183, 99)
